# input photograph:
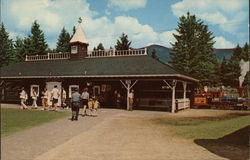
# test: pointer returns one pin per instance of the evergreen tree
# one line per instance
(193, 50)
(19, 49)
(6, 47)
(35, 43)
(63, 41)
(154, 54)
(123, 43)
(233, 73)
(100, 47)
(74, 31)
(245, 52)
(223, 71)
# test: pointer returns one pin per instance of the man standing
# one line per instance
(75, 101)
(85, 99)
(131, 100)
(55, 96)
(23, 97)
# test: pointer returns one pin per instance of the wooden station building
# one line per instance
(156, 85)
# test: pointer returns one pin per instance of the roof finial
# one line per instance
(79, 20)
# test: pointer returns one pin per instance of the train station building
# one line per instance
(156, 85)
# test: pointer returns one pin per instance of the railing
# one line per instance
(90, 54)
(49, 56)
(116, 53)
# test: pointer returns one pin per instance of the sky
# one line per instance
(145, 22)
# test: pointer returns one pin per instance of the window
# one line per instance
(73, 49)
(72, 88)
(36, 87)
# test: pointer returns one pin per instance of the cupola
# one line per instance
(79, 44)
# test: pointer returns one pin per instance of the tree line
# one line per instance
(192, 53)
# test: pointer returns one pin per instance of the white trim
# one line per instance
(70, 89)
(31, 88)
(107, 76)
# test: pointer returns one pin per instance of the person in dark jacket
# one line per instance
(75, 101)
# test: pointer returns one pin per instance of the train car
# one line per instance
(216, 100)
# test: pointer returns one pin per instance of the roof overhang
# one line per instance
(108, 76)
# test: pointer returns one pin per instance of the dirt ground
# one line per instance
(113, 135)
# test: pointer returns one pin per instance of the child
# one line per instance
(90, 105)
(96, 104)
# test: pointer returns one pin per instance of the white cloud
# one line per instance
(221, 42)
(126, 5)
(167, 38)
(228, 14)
(52, 15)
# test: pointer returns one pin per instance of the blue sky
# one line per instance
(144, 21)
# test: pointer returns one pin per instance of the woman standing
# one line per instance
(23, 99)
(34, 97)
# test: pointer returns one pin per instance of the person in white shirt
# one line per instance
(34, 96)
(55, 94)
(85, 99)
(64, 96)
(23, 96)
(131, 100)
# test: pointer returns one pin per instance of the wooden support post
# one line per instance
(174, 82)
(128, 86)
(184, 92)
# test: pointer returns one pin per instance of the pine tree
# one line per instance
(233, 73)
(63, 41)
(123, 43)
(19, 49)
(193, 50)
(6, 47)
(245, 52)
(224, 71)
(74, 31)
(100, 47)
(35, 43)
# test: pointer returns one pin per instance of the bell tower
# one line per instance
(78, 44)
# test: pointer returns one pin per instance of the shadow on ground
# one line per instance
(233, 146)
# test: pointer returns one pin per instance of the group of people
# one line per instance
(91, 102)
(47, 96)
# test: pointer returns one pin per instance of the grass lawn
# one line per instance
(207, 127)
(14, 120)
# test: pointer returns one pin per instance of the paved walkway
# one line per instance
(113, 135)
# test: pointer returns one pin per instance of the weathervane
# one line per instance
(79, 20)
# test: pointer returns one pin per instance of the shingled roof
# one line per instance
(79, 36)
(130, 66)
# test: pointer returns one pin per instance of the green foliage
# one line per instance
(63, 41)
(231, 73)
(13, 120)
(19, 49)
(6, 47)
(99, 47)
(35, 43)
(193, 50)
(123, 43)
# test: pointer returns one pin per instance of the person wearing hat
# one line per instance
(85, 99)
(75, 101)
